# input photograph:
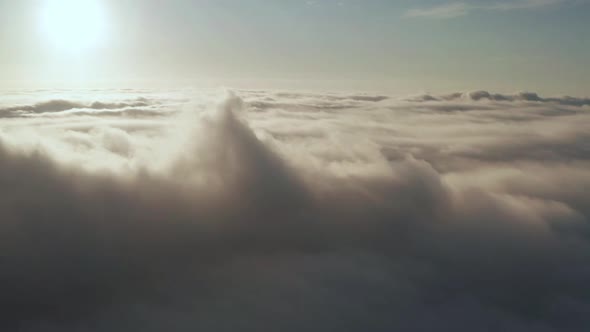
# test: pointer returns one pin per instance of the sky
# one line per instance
(394, 46)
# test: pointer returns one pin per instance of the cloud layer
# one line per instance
(266, 210)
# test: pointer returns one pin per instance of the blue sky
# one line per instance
(540, 45)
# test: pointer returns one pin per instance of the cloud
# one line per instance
(457, 9)
(524, 4)
(381, 214)
(521, 96)
(59, 105)
(449, 10)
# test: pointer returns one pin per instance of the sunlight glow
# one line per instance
(73, 25)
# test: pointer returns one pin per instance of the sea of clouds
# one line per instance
(207, 210)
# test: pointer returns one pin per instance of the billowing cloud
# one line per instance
(267, 210)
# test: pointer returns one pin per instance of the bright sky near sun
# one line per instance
(433, 45)
(73, 25)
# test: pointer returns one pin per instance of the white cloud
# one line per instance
(457, 9)
(450, 10)
(523, 4)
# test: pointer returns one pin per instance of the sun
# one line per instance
(73, 25)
